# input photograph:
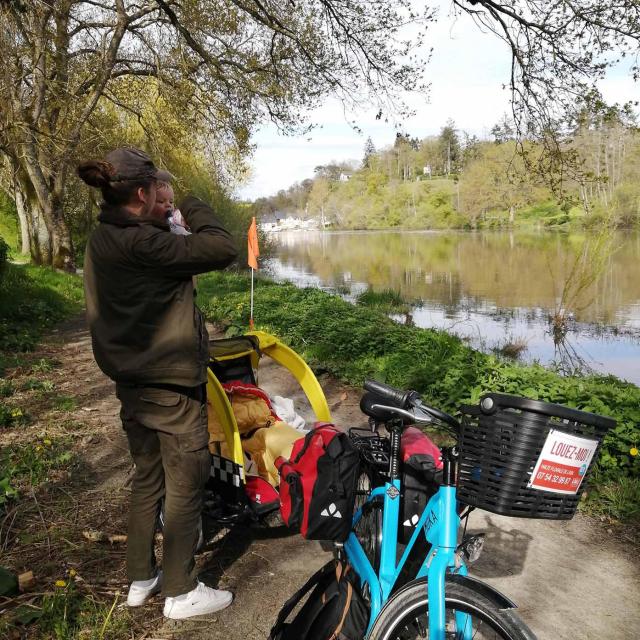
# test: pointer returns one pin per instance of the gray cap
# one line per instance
(133, 164)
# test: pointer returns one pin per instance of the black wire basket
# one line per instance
(501, 441)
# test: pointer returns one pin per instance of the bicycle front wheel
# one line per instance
(406, 616)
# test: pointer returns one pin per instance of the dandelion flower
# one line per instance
(633, 451)
(61, 583)
(47, 442)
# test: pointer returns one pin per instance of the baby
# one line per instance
(164, 210)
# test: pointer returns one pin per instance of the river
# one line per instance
(490, 288)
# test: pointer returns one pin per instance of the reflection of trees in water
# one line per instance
(567, 360)
(467, 271)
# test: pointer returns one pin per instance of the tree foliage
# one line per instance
(225, 66)
(369, 150)
(222, 67)
(559, 50)
(454, 180)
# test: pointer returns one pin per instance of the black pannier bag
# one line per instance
(335, 610)
(318, 484)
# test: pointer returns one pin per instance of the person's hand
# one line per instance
(178, 219)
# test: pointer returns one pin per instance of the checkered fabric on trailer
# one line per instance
(226, 471)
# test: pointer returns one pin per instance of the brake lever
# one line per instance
(423, 419)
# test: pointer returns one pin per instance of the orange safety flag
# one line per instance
(253, 249)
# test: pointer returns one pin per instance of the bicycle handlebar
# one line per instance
(408, 400)
(397, 396)
(423, 417)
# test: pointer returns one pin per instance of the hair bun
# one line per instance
(96, 173)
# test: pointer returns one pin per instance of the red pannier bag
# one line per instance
(421, 477)
(263, 498)
(318, 484)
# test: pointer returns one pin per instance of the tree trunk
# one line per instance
(512, 214)
(62, 243)
(47, 204)
(62, 247)
(25, 241)
(40, 240)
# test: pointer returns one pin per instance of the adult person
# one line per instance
(150, 338)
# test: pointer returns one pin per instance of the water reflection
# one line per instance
(486, 287)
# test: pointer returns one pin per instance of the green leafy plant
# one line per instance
(387, 300)
(6, 388)
(12, 416)
(64, 403)
(7, 492)
(4, 256)
(31, 300)
(619, 500)
(31, 464)
(33, 384)
(44, 365)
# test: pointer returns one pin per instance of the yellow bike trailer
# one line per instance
(233, 494)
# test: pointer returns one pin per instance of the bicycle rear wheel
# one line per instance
(369, 528)
(406, 616)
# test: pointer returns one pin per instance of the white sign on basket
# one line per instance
(563, 463)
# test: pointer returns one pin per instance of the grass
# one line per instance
(9, 227)
(44, 494)
(386, 300)
(70, 612)
(34, 384)
(619, 500)
(33, 299)
(12, 416)
(6, 388)
(46, 501)
(44, 365)
(28, 465)
(39, 499)
(512, 348)
(64, 403)
(356, 342)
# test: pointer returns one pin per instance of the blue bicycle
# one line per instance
(428, 593)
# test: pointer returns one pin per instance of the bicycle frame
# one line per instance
(440, 523)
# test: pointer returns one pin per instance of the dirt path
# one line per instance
(571, 579)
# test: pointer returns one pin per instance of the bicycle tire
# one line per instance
(369, 529)
(405, 616)
(364, 485)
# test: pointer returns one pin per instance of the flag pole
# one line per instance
(253, 251)
(251, 311)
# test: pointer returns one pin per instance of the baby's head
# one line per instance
(164, 200)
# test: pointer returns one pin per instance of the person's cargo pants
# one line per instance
(166, 427)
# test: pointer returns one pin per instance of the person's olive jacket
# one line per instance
(145, 326)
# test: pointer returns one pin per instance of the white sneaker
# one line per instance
(198, 602)
(141, 590)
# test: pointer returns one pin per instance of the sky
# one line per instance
(467, 71)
